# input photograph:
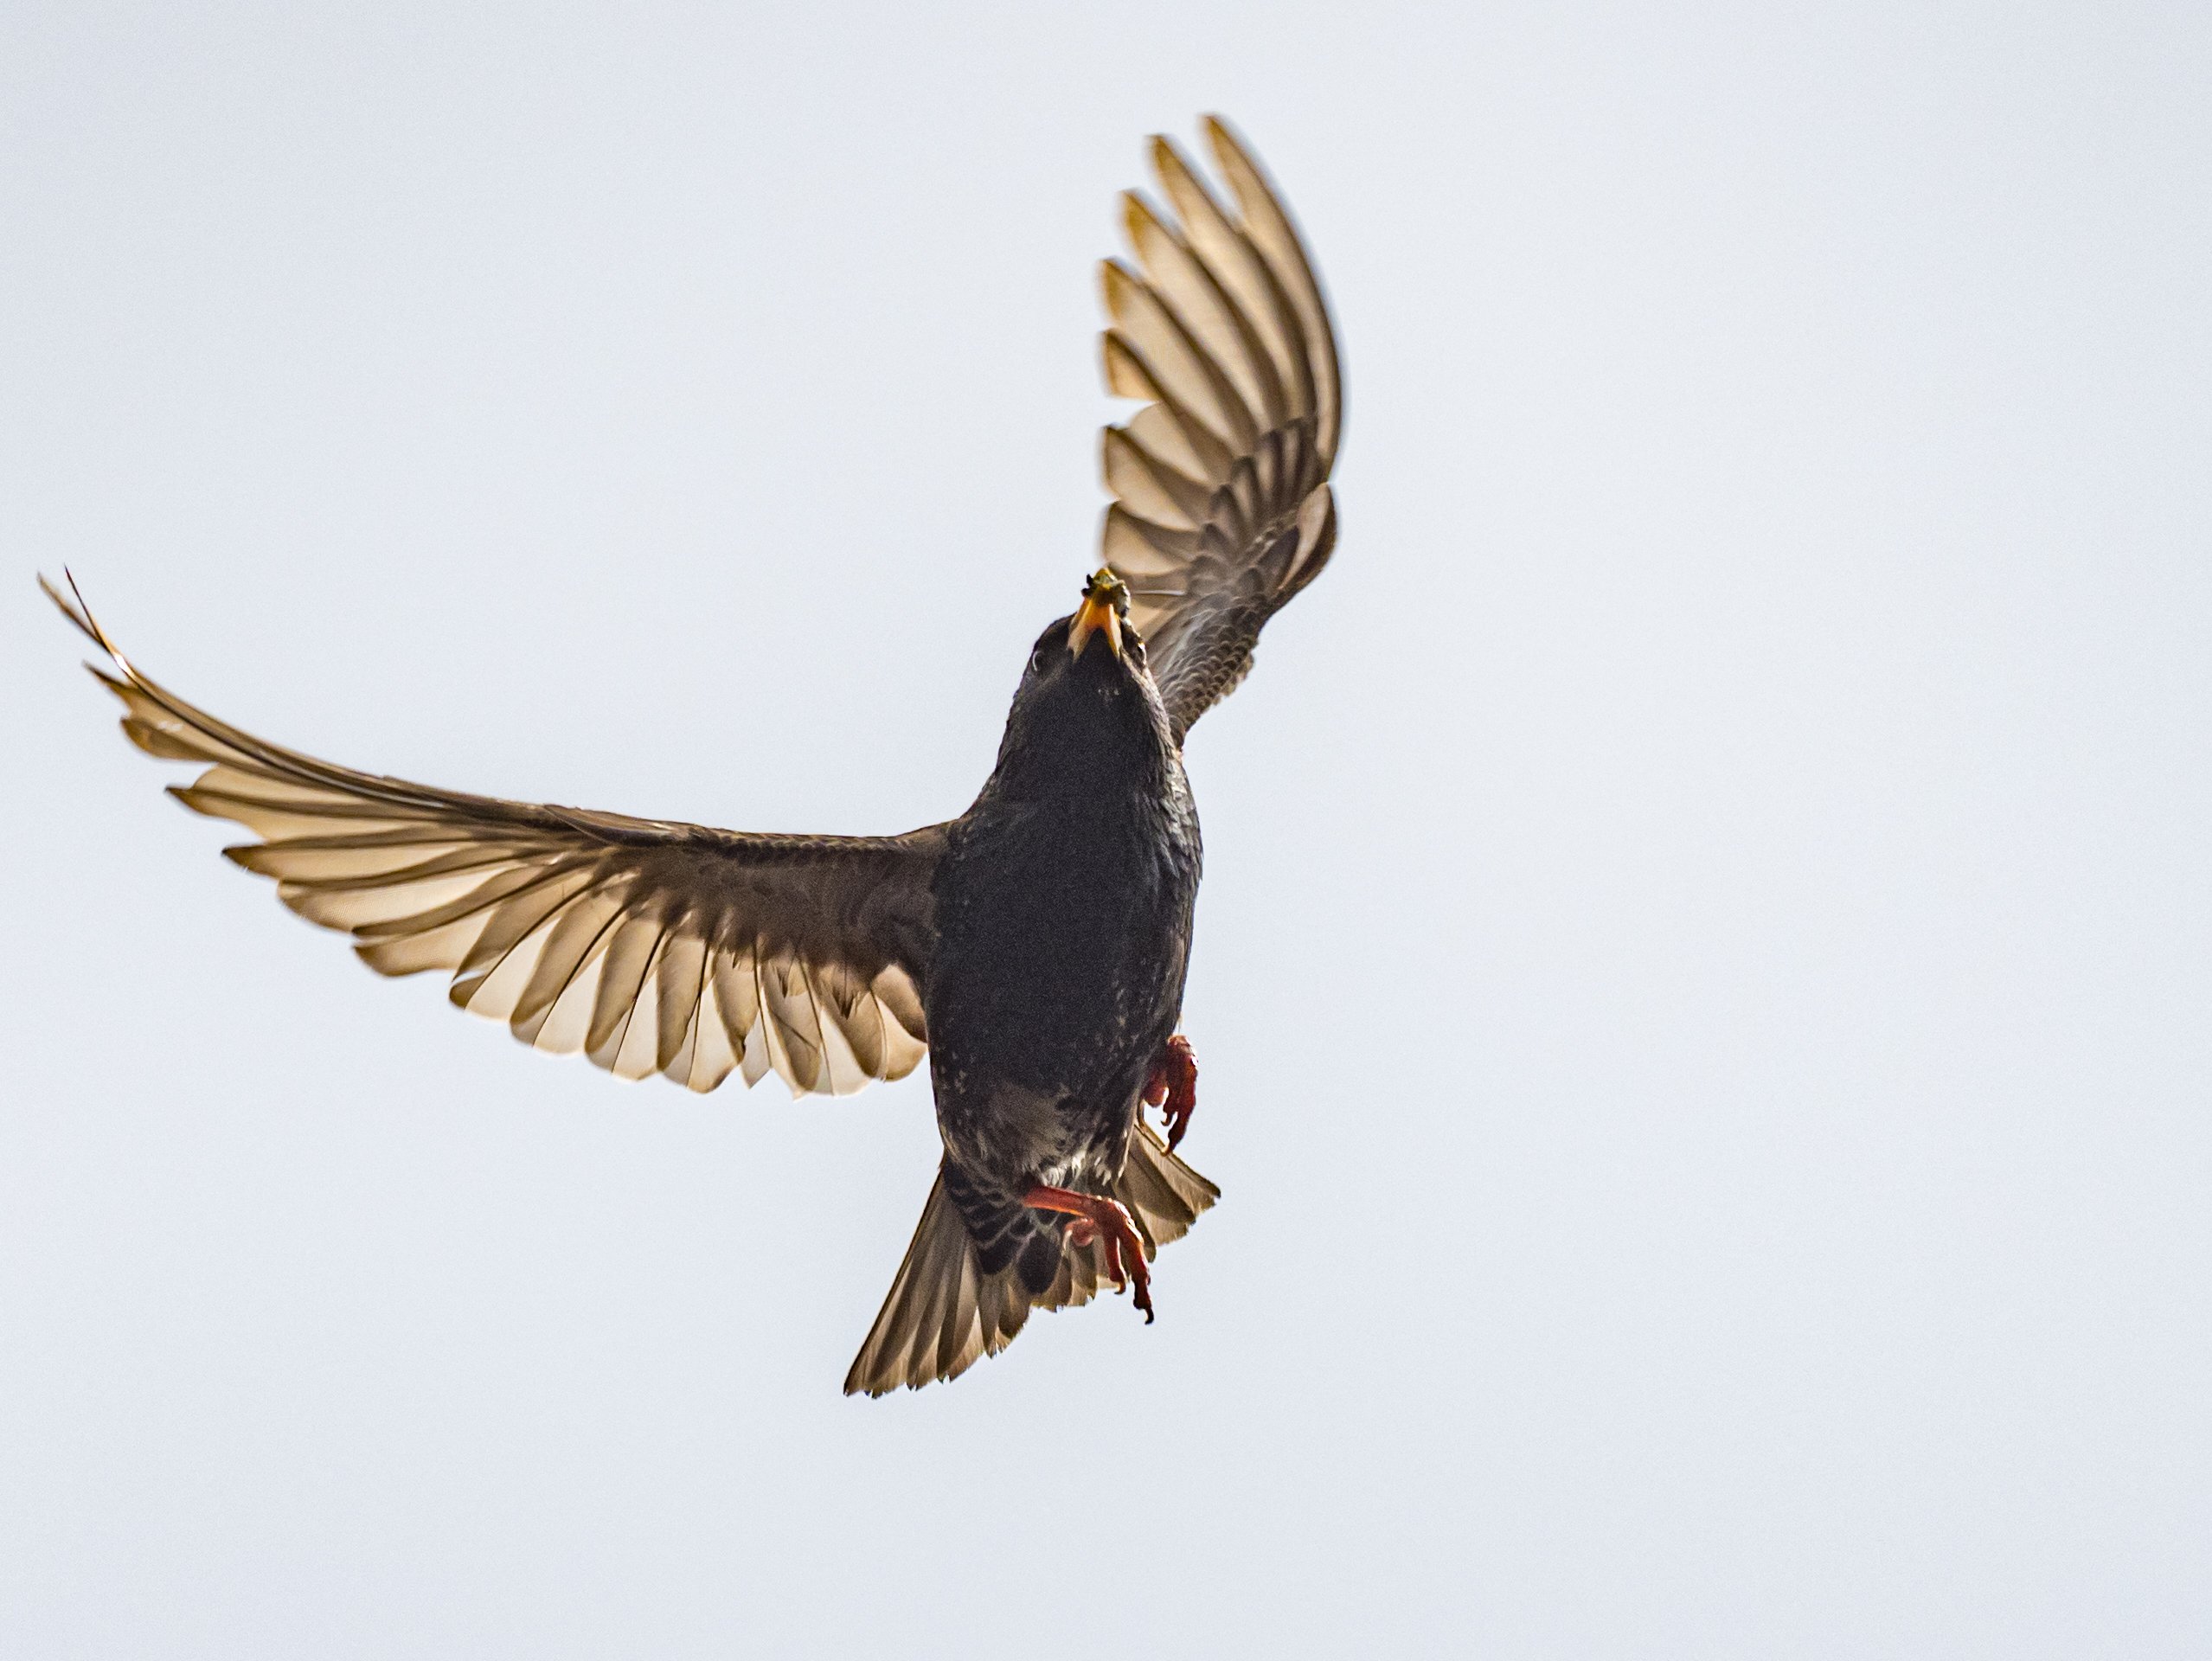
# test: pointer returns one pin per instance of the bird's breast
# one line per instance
(1064, 934)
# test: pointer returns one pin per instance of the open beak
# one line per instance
(1098, 615)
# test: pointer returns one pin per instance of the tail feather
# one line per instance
(1163, 1194)
(945, 1310)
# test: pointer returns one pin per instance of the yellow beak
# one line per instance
(1097, 615)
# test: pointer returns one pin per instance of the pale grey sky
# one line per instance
(1703, 972)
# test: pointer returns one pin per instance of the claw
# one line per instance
(1173, 1087)
(1102, 1219)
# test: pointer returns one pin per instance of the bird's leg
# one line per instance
(1097, 1219)
(1173, 1087)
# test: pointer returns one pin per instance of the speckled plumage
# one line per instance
(1063, 906)
(1034, 948)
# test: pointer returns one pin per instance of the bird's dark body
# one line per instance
(1064, 906)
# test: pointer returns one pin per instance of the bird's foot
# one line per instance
(1173, 1087)
(1097, 1219)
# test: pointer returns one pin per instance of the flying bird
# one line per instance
(1034, 948)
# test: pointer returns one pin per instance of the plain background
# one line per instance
(1702, 977)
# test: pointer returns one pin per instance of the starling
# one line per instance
(1035, 947)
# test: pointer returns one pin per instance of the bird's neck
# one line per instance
(1092, 751)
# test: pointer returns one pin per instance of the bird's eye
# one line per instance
(1036, 661)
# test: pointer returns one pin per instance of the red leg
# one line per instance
(1101, 1219)
(1173, 1087)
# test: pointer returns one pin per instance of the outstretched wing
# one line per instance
(651, 946)
(1222, 507)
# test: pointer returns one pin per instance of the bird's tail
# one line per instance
(953, 1302)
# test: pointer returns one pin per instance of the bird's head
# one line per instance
(1087, 692)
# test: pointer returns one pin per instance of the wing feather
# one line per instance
(1223, 509)
(649, 945)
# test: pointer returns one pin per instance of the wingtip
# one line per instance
(1249, 181)
(1136, 214)
(1118, 287)
(73, 606)
(1166, 157)
(1221, 133)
